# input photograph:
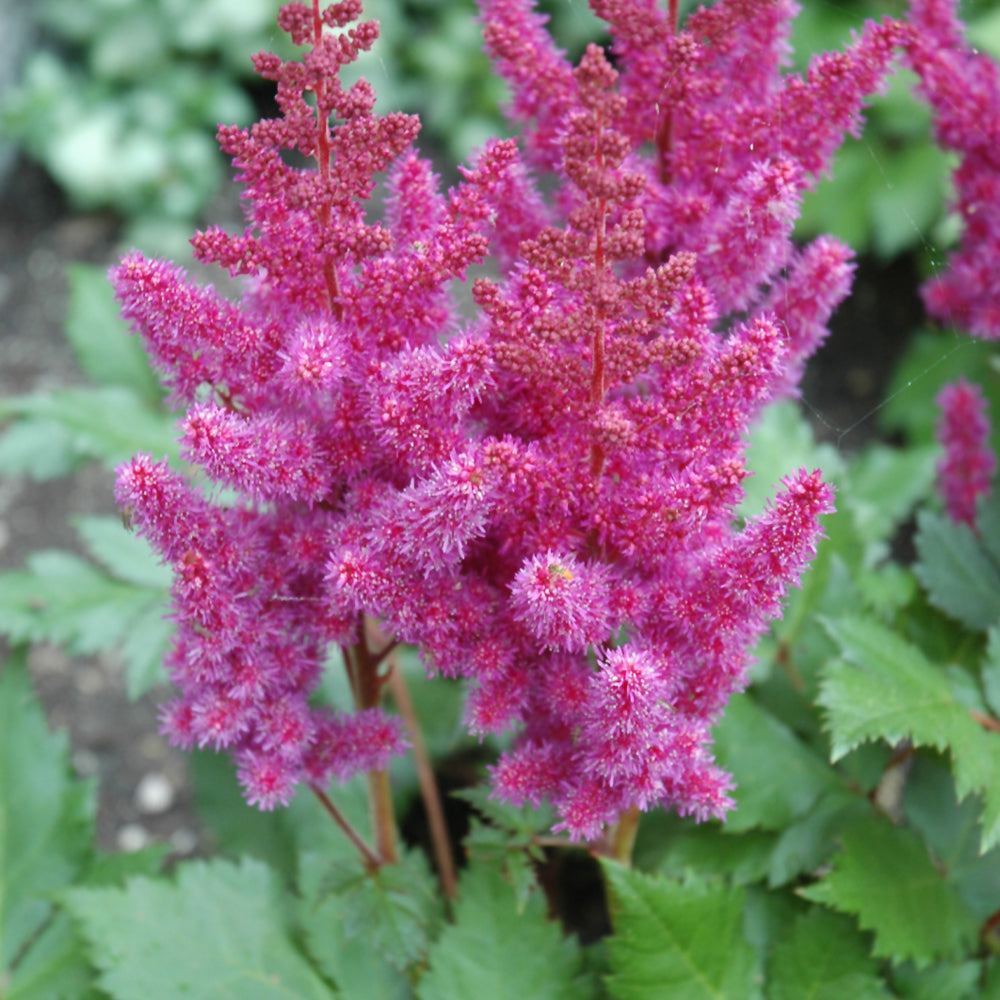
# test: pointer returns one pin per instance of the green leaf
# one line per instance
(823, 958)
(41, 449)
(810, 840)
(110, 424)
(943, 982)
(104, 347)
(491, 952)
(754, 746)
(123, 553)
(991, 670)
(144, 646)
(959, 576)
(679, 940)
(397, 908)
(709, 850)
(215, 934)
(46, 817)
(354, 962)
(55, 966)
(883, 485)
(886, 689)
(782, 441)
(60, 598)
(886, 878)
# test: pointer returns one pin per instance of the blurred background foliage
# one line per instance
(120, 98)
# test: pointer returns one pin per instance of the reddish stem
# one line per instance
(371, 859)
(323, 162)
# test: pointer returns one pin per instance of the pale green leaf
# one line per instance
(61, 598)
(684, 941)
(885, 689)
(110, 423)
(123, 553)
(823, 958)
(885, 877)
(491, 952)
(217, 933)
(104, 347)
(46, 817)
(959, 576)
(41, 449)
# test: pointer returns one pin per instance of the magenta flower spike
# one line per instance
(541, 496)
(966, 468)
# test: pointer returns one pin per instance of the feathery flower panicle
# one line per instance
(968, 463)
(541, 497)
(962, 87)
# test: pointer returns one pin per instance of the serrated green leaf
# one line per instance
(823, 958)
(46, 818)
(959, 576)
(124, 554)
(492, 953)
(354, 962)
(61, 598)
(110, 424)
(951, 830)
(885, 877)
(217, 933)
(396, 908)
(886, 689)
(754, 746)
(104, 347)
(679, 940)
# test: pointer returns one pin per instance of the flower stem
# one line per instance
(429, 791)
(371, 859)
(623, 842)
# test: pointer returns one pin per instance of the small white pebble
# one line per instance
(132, 837)
(154, 794)
(183, 841)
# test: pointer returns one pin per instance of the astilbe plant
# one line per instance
(541, 496)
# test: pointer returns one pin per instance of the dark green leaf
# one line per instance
(886, 878)
(755, 748)
(491, 952)
(823, 958)
(959, 576)
(942, 982)
(678, 940)
(217, 933)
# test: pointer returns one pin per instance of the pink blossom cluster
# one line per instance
(540, 492)
(968, 463)
(962, 87)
